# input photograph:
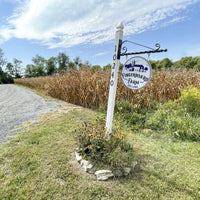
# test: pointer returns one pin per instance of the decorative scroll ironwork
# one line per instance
(151, 50)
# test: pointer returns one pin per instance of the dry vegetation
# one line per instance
(39, 162)
(90, 89)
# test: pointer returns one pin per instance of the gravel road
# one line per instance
(18, 105)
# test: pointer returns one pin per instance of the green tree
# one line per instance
(187, 62)
(153, 64)
(177, 64)
(17, 68)
(96, 68)
(1, 71)
(71, 65)
(197, 65)
(39, 60)
(34, 71)
(159, 65)
(10, 69)
(38, 69)
(51, 66)
(63, 61)
(4, 77)
(77, 62)
(1, 75)
(86, 65)
(166, 63)
(107, 67)
(29, 71)
(121, 66)
(2, 59)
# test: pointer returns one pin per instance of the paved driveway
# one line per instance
(18, 105)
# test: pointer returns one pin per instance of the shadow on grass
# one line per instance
(156, 179)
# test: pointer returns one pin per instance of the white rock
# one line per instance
(147, 131)
(90, 169)
(118, 173)
(134, 164)
(127, 170)
(87, 166)
(103, 175)
(84, 163)
(78, 157)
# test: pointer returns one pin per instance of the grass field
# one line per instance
(163, 118)
(39, 163)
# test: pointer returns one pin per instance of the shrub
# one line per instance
(157, 121)
(173, 119)
(5, 78)
(134, 115)
(184, 127)
(93, 145)
(190, 100)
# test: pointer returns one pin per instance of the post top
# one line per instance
(120, 26)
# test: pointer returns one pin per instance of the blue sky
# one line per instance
(86, 28)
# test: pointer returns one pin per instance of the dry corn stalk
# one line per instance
(90, 89)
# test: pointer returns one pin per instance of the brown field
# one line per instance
(90, 89)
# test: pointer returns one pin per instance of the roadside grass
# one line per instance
(39, 163)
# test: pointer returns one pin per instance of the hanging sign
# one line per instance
(136, 73)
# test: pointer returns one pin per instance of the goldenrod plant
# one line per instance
(190, 100)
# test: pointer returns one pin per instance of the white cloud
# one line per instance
(61, 23)
(101, 54)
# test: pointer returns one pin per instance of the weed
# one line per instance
(171, 118)
(95, 146)
(134, 115)
(190, 100)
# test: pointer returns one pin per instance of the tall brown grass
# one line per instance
(90, 89)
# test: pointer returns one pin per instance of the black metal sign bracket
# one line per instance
(151, 50)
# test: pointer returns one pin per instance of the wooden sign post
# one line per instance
(113, 79)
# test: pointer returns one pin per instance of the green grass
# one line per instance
(39, 163)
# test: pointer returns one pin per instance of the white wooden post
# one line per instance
(113, 79)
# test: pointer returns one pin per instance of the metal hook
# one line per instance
(149, 55)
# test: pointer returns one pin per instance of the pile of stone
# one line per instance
(102, 175)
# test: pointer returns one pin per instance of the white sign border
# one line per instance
(149, 68)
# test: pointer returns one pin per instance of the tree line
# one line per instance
(185, 62)
(56, 65)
